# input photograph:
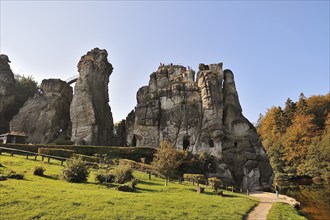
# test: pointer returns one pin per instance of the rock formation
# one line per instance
(90, 112)
(7, 92)
(201, 116)
(46, 115)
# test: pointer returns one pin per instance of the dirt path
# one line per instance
(260, 212)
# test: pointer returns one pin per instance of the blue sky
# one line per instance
(276, 49)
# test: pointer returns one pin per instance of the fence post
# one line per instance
(27, 156)
(48, 159)
(12, 153)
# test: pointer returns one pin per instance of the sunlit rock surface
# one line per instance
(90, 112)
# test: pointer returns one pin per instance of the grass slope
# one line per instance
(283, 211)
(50, 197)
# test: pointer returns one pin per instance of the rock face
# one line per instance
(46, 115)
(7, 95)
(201, 116)
(90, 112)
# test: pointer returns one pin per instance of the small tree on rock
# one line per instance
(166, 160)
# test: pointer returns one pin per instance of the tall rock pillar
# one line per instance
(7, 95)
(90, 112)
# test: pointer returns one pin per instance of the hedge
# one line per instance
(56, 152)
(132, 153)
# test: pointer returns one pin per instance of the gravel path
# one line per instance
(267, 199)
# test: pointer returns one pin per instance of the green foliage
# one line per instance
(132, 153)
(56, 152)
(39, 170)
(139, 166)
(283, 211)
(296, 138)
(133, 183)
(105, 176)
(190, 163)
(123, 173)
(63, 200)
(25, 88)
(215, 183)
(194, 178)
(75, 170)
(166, 160)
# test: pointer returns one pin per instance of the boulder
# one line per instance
(90, 112)
(46, 115)
(202, 115)
(7, 92)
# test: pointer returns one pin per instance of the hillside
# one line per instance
(50, 197)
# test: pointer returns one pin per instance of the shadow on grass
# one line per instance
(149, 183)
(141, 190)
(55, 177)
(215, 194)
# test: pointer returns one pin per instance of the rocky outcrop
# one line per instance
(202, 115)
(90, 112)
(46, 115)
(7, 92)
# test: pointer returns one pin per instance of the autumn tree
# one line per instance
(297, 140)
(297, 137)
(166, 160)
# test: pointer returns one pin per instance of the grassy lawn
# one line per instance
(283, 211)
(50, 197)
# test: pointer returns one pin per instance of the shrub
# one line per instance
(138, 166)
(75, 171)
(15, 175)
(39, 170)
(133, 183)
(91, 159)
(194, 178)
(122, 173)
(105, 177)
(215, 183)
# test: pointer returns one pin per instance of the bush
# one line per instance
(122, 173)
(75, 171)
(215, 183)
(138, 166)
(194, 178)
(91, 159)
(105, 177)
(39, 170)
(133, 183)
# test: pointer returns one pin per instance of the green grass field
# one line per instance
(283, 211)
(50, 197)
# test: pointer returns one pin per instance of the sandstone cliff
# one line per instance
(90, 112)
(7, 92)
(46, 115)
(202, 115)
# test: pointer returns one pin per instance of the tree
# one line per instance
(166, 160)
(296, 141)
(25, 88)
